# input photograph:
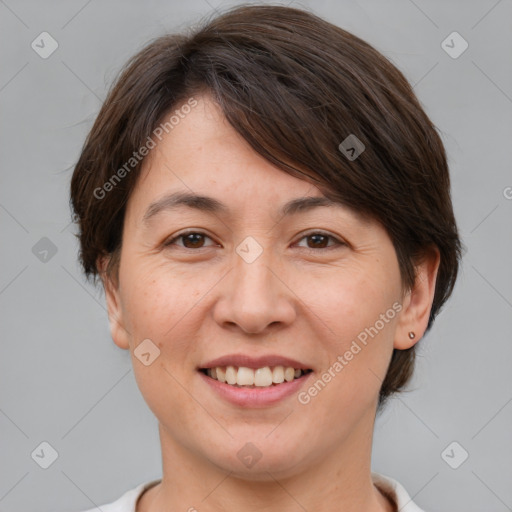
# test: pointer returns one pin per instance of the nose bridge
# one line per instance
(252, 275)
(252, 268)
(255, 297)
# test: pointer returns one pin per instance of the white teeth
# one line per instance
(278, 375)
(231, 375)
(245, 376)
(221, 374)
(289, 374)
(261, 377)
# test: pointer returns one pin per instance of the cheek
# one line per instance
(158, 297)
(160, 307)
(349, 299)
(348, 386)
(359, 309)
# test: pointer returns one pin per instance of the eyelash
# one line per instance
(338, 242)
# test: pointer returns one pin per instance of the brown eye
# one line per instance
(320, 240)
(191, 240)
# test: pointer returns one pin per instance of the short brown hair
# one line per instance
(294, 86)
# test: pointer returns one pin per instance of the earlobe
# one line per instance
(417, 303)
(115, 313)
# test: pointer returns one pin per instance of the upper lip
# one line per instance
(254, 362)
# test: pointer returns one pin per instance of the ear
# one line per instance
(417, 303)
(115, 311)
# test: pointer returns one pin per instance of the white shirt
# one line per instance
(127, 502)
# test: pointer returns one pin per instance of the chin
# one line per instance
(254, 461)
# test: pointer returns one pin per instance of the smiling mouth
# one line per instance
(243, 377)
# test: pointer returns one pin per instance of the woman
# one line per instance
(268, 208)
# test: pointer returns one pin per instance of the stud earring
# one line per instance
(412, 335)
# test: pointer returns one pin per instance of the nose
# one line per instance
(255, 297)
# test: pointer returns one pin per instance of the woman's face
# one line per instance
(316, 285)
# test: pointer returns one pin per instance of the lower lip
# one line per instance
(255, 397)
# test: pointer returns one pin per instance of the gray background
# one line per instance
(64, 381)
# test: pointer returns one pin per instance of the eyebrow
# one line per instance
(208, 204)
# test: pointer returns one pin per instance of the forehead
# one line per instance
(203, 163)
(203, 152)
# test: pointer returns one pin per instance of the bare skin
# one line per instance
(305, 298)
